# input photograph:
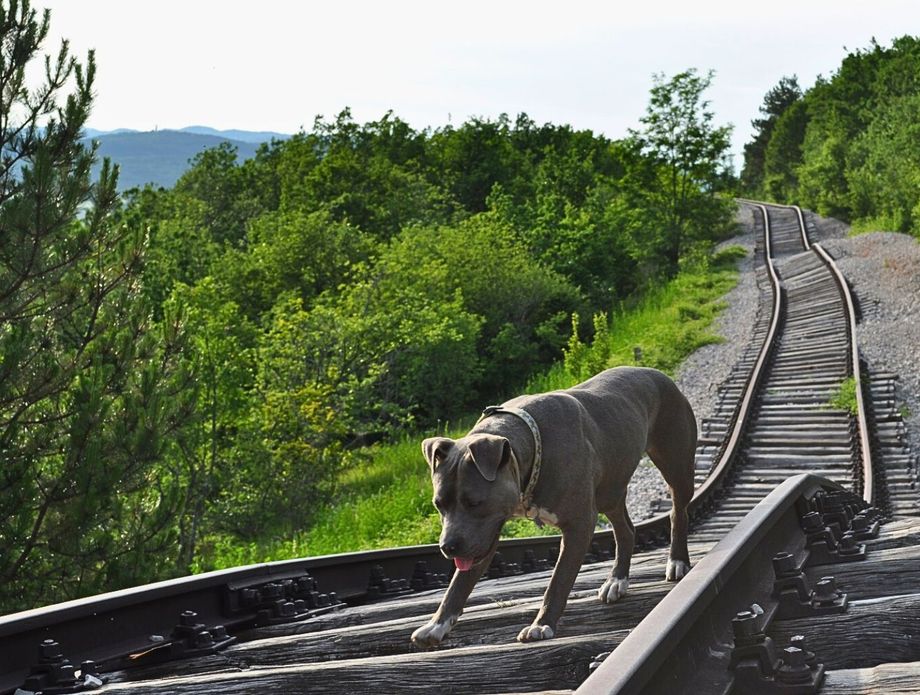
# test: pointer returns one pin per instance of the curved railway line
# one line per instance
(786, 488)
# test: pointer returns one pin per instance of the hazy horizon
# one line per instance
(172, 65)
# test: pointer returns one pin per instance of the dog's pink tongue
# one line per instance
(463, 563)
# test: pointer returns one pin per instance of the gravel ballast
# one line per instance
(883, 269)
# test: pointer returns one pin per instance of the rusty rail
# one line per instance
(695, 639)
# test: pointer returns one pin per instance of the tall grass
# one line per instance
(384, 499)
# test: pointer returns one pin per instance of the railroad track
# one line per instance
(809, 354)
(279, 627)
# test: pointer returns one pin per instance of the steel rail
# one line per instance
(802, 227)
(803, 230)
(685, 640)
(867, 469)
(720, 470)
(107, 627)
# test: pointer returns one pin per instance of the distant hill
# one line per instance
(257, 136)
(93, 133)
(161, 156)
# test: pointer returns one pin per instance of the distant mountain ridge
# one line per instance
(160, 157)
(258, 136)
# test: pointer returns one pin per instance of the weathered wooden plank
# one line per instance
(560, 663)
(200, 665)
(886, 679)
(496, 625)
(422, 605)
(493, 624)
(871, 632)
(897, 533)
(886, 572)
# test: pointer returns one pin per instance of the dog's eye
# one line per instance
(470, 503)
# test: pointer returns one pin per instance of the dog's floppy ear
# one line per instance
(435, 450)
(489, 452)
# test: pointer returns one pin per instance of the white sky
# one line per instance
(275, 64)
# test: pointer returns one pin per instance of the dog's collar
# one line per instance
(527, 493)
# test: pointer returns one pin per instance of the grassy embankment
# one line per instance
(385, 499)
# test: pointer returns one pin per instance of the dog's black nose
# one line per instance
(450, 548)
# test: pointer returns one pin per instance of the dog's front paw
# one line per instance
(677, 569)
(613, 589)
(535, 632)
(431, 634)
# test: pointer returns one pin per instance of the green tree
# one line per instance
(775, 103)
(690, 154)
(291, 251)
(883, 170)
(783, 154)
(89, 387)
(220, 363)
(367, 175)
(215, 179)
(821, 177)
(471, 159)
(412, 340)
(180, 247)
(522, 303)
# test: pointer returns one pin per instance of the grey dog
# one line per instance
(559, 458)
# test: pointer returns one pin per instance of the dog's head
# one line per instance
(475, 492)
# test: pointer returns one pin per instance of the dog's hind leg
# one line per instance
(624, 533)
(672, 448)
(677, 468)
(679, 555)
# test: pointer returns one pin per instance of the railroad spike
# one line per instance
(760, 670)
(784, 565)
(532, 564)
(793, 670)
(799, 641)
(827, 599)
(278, 601)
(824, 545)
(790, 588)
(422, 579)
(753, 657)
(864, 527)
(380, 586)
(796, 599)
(53, 673)
(500, 568)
